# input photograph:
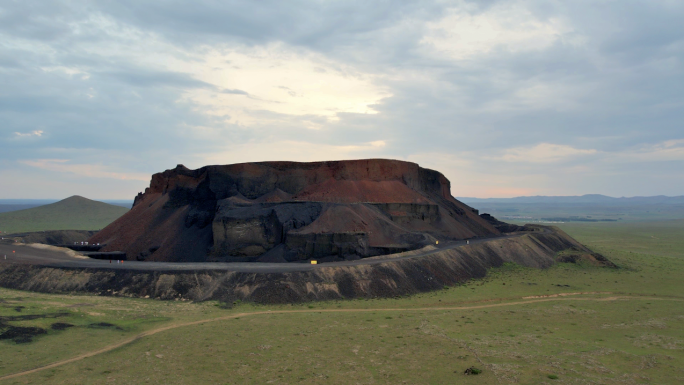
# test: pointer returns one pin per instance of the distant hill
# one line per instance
(7, 205)
(583, 199)
(73, 213)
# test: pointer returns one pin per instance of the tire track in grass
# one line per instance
(525, 300)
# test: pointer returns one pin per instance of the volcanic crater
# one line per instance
(292, 212)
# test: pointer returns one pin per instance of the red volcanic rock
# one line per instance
(291, 211)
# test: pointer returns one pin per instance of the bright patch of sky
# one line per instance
(506, 98)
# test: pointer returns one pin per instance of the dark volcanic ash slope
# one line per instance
(387, 277)
(288, 211)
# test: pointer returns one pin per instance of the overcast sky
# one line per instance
(506, 98)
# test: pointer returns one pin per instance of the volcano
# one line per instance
(290, 211)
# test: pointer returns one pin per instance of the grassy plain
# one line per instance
(518, 325)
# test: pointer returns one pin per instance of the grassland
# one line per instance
(593, 211)
(564, 325)
(662, 238)
(74, 213)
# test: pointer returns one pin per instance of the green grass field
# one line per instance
(74, 213)
(663, 238)
(565, 325)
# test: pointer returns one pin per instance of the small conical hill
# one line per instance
(73, 213)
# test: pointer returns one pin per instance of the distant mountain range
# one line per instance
(583, 199)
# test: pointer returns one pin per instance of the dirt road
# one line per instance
(24, 254)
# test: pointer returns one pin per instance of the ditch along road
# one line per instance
(61, 258)
(519, 301)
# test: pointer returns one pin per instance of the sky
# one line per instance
(505, 98)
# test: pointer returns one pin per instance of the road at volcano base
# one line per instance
(23, 254)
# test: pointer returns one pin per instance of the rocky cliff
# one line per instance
(388, 278)
(288, 211)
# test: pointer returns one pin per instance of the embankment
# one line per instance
(387, 279)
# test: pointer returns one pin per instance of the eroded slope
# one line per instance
(288, 211)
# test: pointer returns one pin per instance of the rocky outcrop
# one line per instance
(386, 278)
(502, 226)
(288, 211)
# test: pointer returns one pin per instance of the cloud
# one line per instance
(234, 92)
(282, 80)
(29, 134)
(139, 77)
(321, 26)
(557, 97)
(666, 151)
(289, 90)
(462, 33)
(299, 151)
(69, 71)
(83, 170)
(542, 153)
(669, 149)
(472, 175)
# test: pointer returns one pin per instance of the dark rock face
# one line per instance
(287, 211)
(254, 229)
(502, 226)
